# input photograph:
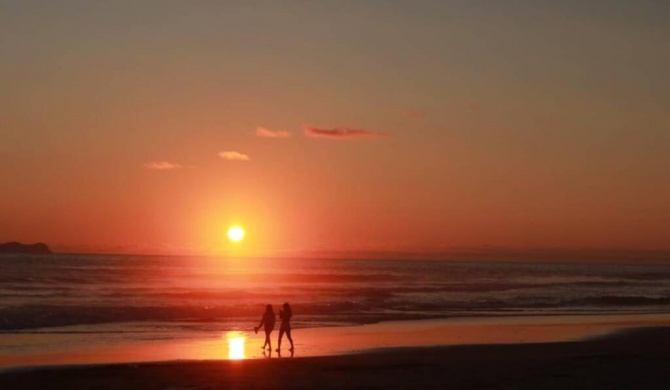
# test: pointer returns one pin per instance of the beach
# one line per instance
(80, 322)
(632, 359)
(622, 351)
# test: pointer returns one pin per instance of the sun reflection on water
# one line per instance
(236, 349)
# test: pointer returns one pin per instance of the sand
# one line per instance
(39, 349)
(631, 359)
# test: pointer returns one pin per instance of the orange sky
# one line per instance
(366, 126)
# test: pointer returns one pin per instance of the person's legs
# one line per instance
(281, 334)
(267, 341)
(288, 335)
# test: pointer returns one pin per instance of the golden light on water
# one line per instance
(235, 233)
(236, 349)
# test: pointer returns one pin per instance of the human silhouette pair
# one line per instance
(268, 324)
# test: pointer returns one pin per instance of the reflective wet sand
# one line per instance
(241, 345)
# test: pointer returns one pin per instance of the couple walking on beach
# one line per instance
(268, 323)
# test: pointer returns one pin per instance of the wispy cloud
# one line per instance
(267, 133)
(162, 165)
(234, 156)
(342, 133)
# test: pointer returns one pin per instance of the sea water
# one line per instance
(159, 297)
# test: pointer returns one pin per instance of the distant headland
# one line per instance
(17, 247)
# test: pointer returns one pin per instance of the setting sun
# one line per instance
(235, 233)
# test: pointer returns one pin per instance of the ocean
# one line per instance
(154, 297)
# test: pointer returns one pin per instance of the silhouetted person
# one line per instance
(268, 321)
(285, 315)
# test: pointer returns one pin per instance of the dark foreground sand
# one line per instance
(637, 359)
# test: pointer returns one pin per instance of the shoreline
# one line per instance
(633, 358)
(328, 341)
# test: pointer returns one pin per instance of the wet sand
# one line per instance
(632, 359)
(60, 349)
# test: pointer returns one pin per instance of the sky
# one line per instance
(383, 126)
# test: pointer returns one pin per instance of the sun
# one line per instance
(235, 233)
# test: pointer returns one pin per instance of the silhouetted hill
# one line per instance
(17, 247)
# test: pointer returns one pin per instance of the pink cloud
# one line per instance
(234, 156)
(341, 133)
(266, 133)
(162, 165)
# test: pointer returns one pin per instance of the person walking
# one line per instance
(268, 322)
(285, 315)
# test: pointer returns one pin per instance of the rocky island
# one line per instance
(17, 247)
